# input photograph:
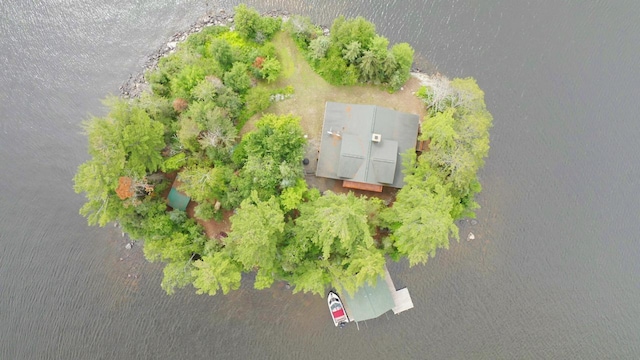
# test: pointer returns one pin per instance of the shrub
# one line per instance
(318, 47)
(302, 30)
(173, 163)
(221, 51)
(188, 78)
(257, 100)
(205, 211)
(271, 69)
(237, 78)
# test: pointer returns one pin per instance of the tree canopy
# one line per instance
(353, 53)
(334, 233)
(187, 127)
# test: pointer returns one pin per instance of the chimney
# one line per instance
(376, 138)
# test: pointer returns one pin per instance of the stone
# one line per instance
(128, 246)
(470, 236)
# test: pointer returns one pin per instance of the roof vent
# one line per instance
(376, 138)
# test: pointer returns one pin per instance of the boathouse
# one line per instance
(370, 302)
(362, 145)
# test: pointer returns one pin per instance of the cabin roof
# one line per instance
(364, 143)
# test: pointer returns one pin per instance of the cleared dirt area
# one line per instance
(311, 92)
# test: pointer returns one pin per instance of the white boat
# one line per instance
(338, 313)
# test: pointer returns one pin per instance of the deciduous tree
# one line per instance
(421, 222)
(334, 233)
(127, 142)
(257, 229)
(214, 272)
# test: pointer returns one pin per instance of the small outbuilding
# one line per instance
(177, 199)
(371, 301)
(362, 145)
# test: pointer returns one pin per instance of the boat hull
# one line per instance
(337, 310)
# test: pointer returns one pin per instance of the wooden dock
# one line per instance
(401, 297)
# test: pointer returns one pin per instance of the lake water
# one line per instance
(553, 271)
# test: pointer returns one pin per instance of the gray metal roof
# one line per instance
(347, 151)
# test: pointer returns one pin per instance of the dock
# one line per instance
(401, 298)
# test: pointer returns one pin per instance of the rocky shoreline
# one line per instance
(137, 84)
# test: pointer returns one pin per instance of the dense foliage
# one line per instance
(353, 53)
(441, 183)
(187, 127)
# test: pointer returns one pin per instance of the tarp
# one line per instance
(178, 200)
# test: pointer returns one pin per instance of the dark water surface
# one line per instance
(553, 272)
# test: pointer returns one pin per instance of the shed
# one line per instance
(178, 200)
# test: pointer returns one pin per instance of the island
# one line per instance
(267, 145)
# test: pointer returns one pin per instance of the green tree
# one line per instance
(352, 52)
(205, 90)
(318, 47)
(221, 51)
(257, 229)
(205, 211)
(459, 143)
(274, 154)
(403, 54)
(127, 142)
(292, 196)
(302, 29)
(334, 234)
(227, 99)
(271, 69)
(379, 46)
(238, 78)
(421, 222)
(246, 21)
(267, 27)
(177, 275)
(368, 65)
(186, 80)
(188, 133)
(214, 272)
(388, 66)
(204, 184)
(258, 99)
(345, 31)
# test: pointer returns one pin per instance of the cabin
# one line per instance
(362, 145)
